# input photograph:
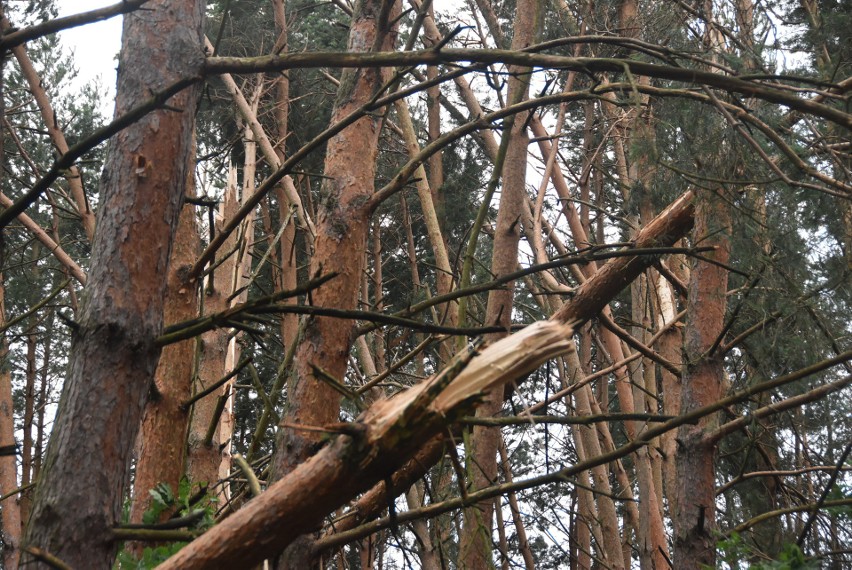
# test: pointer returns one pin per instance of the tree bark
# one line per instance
(113, 355)
(475, 541)
(10, 512)
(342, 225)
(162, 448)
(203, 456)
(695, 520)
(288, 260)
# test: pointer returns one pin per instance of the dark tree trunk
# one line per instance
(113, 354)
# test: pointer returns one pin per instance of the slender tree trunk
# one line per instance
(520, 530)
(73, 176)
(29, 412)
(238, 293)
(203, 454)
(475, 541)
(288, 261)
(426, 550)
(669, 347)
(433, 115)
(113, 355)
(609, 551)
(695, 520)
(10, 512)
(342, 227)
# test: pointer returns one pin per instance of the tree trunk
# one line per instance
(288, 261)
(162, 448)
(73, 176)
(113, 355)
(29, 409)
(695, 520)
(475, 541)
(10, 512)
(203, 455)
(340, 246)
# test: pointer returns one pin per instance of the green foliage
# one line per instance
(734, 552)
(151, 557)
(164, 500)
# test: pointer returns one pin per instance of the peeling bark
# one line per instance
(162, 440)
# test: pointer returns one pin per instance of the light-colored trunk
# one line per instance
(238, 293)
(429, 558)
(520, 529)
(48, 115)
(609, 550)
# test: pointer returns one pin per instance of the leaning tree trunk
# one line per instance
(113, 354)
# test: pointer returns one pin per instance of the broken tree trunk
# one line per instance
(384, 437)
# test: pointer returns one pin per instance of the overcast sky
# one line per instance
(96, 45)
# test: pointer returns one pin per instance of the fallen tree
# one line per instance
(380, 441)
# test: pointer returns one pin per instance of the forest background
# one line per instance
(372, 284)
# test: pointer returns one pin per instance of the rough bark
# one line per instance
(695, 520)
(10, 512)
(113, 354)
(29, 414)
(203, 456)
(162, 441)
(342, 225)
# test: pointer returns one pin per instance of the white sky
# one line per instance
(95, 45)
